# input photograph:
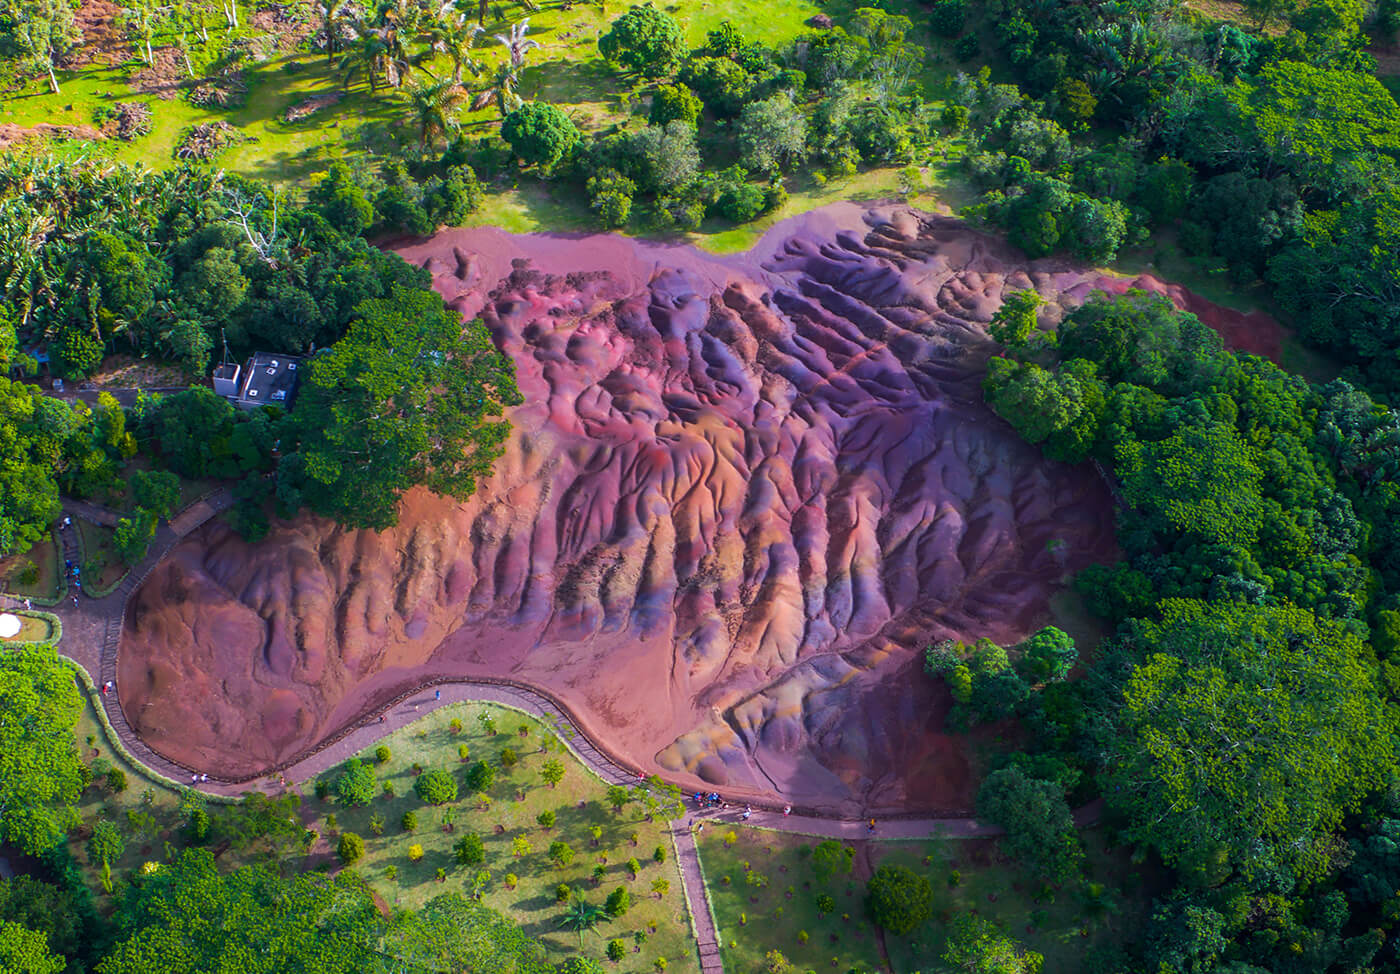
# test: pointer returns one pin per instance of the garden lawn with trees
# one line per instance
(809, 899)
(515, 843)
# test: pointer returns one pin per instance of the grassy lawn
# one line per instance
(32, 629)
(508, 813)
(102, 569)
(567, 70)
(776, 909)
(45, 556)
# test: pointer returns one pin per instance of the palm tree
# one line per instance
(363, 59)
(581, 916)
(454, 36)
(435, 107)
(501, 90)
(333, 13)
(517, 43)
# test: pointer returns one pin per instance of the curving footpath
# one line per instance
(92, 630)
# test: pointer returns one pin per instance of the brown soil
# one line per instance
(13, 135)
(103, 42)
(742, 495)
(165, 78)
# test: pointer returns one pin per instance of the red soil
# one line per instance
(743, 494)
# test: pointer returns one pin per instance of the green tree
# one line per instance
(619, 902)
(157, 491)
(356, 784)
(582, 916)
(133, 535)
(37, 34)
(1058, 410)
(452, 932)
(350, 849)
(188, 917)
(27, 951)
(1048, 656)
(469, 850)
(341, 199)
(408, 397)
(898, 899)
(41, 775)
(610, 196)
(978, 946)
(1015, 321)
(481, 776)
(1248, 730)
(772, 134)
(675, 103)
(831, 859)
(644, 40)
(1039, 828)
(666, 158)
(552, 772)
(105, 846)
(436, 787)
(540, 134)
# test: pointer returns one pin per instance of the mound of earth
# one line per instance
(743, 494)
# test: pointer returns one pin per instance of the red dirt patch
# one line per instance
(742, 496)
(103, 41)
(13, 135)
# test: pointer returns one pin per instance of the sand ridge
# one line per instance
(742, 495)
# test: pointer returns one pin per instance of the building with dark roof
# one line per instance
(264, 380)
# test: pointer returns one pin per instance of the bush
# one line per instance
(826, 903)
(391, 873)
(356, 784)
(435, 787)
(618, 902)
(616, 950)
(322, 788)
(376, 824)
(382, 754)
(480, 777)
(463, 752)
(116, 780)
(389, 789)
(898, 899)
(948, 16)
(197, 826)
(455, 726)
(644, 40)
(415, 852)
(350, 849)
(634, 867)
(509, 758)
(562, 892)
(967, 47)
(741, 202)
(469, 850)
(546, 818)
(409, 822)
(610, 196)
(659, 855)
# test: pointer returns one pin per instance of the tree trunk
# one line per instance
(481, 13)
(53, 79)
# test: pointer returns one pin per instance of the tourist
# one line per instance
(75, 601)
(747, 812)
(437, 694)
(28, 604)
(787, 810)
(871, 827)
(194, 779)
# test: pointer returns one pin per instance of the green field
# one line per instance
(567, 71)
(764, 891)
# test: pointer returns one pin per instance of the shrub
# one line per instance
(659, 855)
(197, 825)
(480, 776)
(730, 838)
(463, 752)
(898, 899)
(415, 852)
(634, 867)
(831, 858)
(436, 787)
(116, 780)
(552, 772)
(740, 202)
(562, 892)
(511, 880)
(389, 789)
(350, 849)
(546, 818)
(382, 754)
(616, 950)
(441, 874)
(455, 726)
(561, 853)
(409, 822)
(521, 846)
(469, 850)
(509, 758)
(355, 786)
(826, 903)
(955, 118)
(331, 823)
(376, 824)
(391, 873)
(618, 902)
(659, 963)
(610, 196)
(322, 788)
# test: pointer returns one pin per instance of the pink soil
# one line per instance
(742, 496)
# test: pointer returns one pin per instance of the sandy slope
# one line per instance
(742, 495)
